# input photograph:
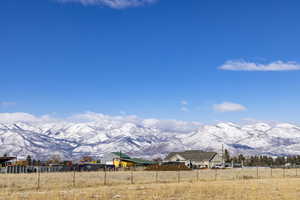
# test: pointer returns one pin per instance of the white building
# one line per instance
(195, 158)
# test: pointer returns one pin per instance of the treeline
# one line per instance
(55, 160)
(262, 160)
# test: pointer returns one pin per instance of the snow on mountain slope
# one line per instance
(138, 137)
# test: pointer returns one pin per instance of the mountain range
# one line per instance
(147, 138)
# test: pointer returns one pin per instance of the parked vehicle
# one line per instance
(218, 166)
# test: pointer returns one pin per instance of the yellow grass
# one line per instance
(234, 184)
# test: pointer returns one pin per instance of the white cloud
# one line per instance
(229, 107)
(107, 121)
(184, 109)
(7, 104)
(184, 102)
(252, 66)
(172, 125)
(116, 4)
(98, 117)
(23, 117)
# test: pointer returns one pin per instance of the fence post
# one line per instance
(216, 173)
(38, 178)
(256, 172)
(74, 171)
(242, 170)
(131, 178)
(197, 175)
(178, 176)
(105, 176)
(283, 172)
(156, 176)
(271, 171)
(296, 171)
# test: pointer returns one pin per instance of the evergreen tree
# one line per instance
(227, 156)
(241, 158)
(29, 160)
(34, 163)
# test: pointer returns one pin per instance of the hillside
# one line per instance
(148, 138)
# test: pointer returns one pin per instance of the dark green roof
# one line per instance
(138, 161)
(121, 155)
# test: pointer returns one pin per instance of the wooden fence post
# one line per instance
(156, 177)
(197, 175)
(283, 171)
(74, 171)
(105, 175)
(216, 174)
(256, 172)
(38, 178)
(178, 176)
(271, 171)
(296, 171)
(131, 178)
(242, 170)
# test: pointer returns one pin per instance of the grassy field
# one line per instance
(209, 184)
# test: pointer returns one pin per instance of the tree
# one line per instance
(29, 160)
(34, 162)
(280, 160)
(226, 156)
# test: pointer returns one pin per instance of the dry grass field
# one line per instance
(236, 184)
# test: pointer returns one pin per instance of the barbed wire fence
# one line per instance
(74, 179)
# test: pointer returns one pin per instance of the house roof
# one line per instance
(121, 155)
(5, 159)
(195, 155)
(125, 157)
(140, 161)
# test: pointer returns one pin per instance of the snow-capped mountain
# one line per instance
(145, 138)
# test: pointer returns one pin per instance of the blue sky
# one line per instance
(196, 60)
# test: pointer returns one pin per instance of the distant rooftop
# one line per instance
(196, 155)
(6, 159)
